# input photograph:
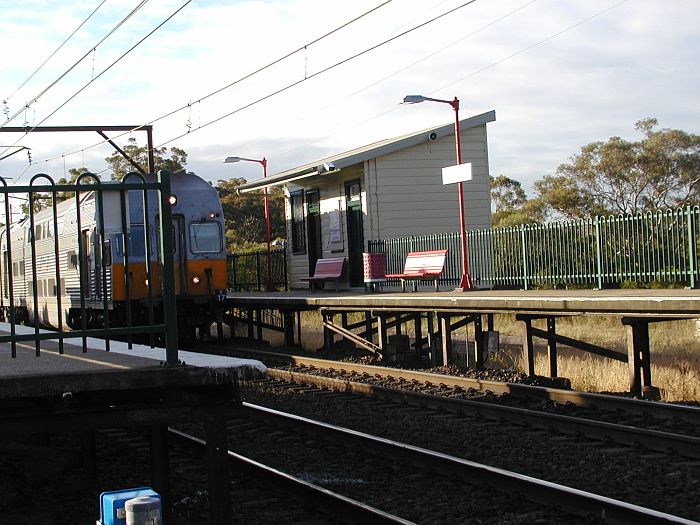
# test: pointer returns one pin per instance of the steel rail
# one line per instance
(690, 414)
(574, 501)
(350, 508)
(626, 435)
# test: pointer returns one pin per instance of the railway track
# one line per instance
(368, 468)
(688, 416)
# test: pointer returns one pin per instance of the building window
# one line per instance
(296, 202)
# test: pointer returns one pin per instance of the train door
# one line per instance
(96, 263)
(85, 270)
(179, 255)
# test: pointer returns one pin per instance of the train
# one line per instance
(100, 250)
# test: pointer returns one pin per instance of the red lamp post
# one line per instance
(465, 282)
(270, 287)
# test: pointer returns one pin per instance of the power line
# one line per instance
(322, 71)
(63, 75)
(56, 51)
(105, 70)
(249, 75)
(401, 70)
(473, 73)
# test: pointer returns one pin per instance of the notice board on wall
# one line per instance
(335, 237)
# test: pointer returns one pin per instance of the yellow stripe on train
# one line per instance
(200, 278)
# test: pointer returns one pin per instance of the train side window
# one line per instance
(205, 237)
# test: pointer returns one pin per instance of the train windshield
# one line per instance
(205, 237)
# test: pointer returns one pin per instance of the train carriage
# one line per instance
(100, 251)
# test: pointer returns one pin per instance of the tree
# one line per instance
(243, 215)
(618, 176)
(511, 205)
(120, 166)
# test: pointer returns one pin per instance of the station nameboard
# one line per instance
(457, 173)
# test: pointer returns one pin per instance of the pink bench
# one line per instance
(421, 266)
(327, 270)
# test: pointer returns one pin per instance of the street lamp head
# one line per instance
(229, 160)
(414, 99)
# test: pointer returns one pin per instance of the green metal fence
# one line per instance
(247, 271)
(603, 251)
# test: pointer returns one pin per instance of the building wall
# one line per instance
(332, 208)
(406, 195)
(402, 195)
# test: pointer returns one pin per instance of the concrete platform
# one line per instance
(51, 373)
(627, 302)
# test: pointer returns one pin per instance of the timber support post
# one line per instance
(288, 328)
(552, 346)
(638, 355)
(528, 346)
(445, 337)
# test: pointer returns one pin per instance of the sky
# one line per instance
(266, 79)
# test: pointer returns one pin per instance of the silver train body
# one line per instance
(95, 246)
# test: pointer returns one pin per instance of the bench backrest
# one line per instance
(430, 262)
(331, 268)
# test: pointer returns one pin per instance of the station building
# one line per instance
(391, 188)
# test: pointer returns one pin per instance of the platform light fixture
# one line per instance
(263, 162)
(465, 282)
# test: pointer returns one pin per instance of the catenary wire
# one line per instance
(63, 75)
(105, 70)
(320, 72)
(401, 70)
(55, 51)
(316, 40)
(293, 84)
(473, 73)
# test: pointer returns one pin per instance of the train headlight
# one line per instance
(172, 199)
(195, 279)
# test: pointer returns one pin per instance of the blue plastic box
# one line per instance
(112, 504)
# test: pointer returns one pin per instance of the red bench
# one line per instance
(327, 270)
(421, 266)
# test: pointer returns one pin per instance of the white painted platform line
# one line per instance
(250, 367)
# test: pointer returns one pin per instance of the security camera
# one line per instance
(432, 136)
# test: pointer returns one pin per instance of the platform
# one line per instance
(445, 312)
(625, 302)
(79, 391)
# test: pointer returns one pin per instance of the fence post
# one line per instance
(690, 218)
(166, 251)
(598, 254)
(524, 255)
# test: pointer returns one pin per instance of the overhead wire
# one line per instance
(471, 74)
(75, 64)
(55, 51)
(105, 70)
(288, 86)
(231, 84)
(405, 68)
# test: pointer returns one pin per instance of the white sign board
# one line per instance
(458, 173)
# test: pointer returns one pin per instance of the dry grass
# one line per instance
(675, 352)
